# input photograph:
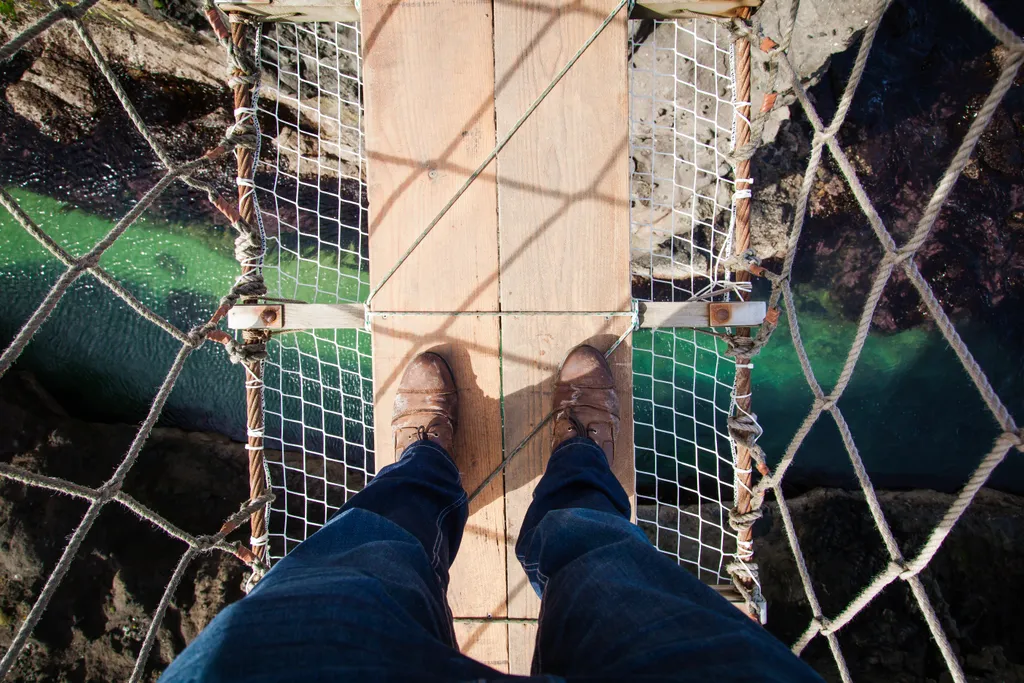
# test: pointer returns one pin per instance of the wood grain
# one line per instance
(428, 82)
(521, 640)
(533, 348)
(563, 219)
(484, 642)
(563, 187)
(428, 89)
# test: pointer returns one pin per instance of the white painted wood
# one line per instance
(295, 10)
(349, 316)
(348, 10)
(300, 317)
(695, 314)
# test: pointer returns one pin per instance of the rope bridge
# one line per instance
(690, 201)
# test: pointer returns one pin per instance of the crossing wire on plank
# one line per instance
(314, 72)
(311, 185)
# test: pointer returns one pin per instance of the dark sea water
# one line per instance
(916, 419)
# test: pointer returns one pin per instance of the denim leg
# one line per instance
(613, 607)
(433, 507)
(359, 600)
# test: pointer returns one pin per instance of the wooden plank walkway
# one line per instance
(563, 210)
(439, 76)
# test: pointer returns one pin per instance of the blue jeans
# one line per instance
(363, 599)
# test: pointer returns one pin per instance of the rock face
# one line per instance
(889, 641)
(95, 624)
(65, 135)
(679, 139)
(930, 70)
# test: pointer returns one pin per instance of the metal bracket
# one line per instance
(256, 317)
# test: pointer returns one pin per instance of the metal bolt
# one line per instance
(269, 315)
(432, 173)
(720, 314)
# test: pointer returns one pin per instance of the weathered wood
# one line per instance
(698, 314)
(352, 316)
(533, 349)
(295, 10)
(348, 10)
(486, 642)
(683, 9)
(428, 89)
(522, 637)
(562, 215)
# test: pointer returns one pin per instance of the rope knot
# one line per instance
(741, 28)
(821, 137)
(824, 625)
(108, 492)
(902, 569)
(1017, 439)
(897, 257)
(742, 521)
(824, 404)
(246, 353)
(241, 134)
(741, 347)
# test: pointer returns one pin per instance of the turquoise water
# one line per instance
(911, 408)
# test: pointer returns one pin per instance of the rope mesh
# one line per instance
(311, 187)
(306, 366)
(682, 114)
(237, 137)
(902, 257)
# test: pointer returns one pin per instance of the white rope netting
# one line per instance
(682, 125)
(902, 257)
(310, 182)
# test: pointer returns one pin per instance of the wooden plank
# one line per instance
(352, 316)
(682, 9)
(522, 638)
(428, 84)
(563, 217)
(296, 11)
(485, 642)
(348, 10)
(470, 345)
(532, 350)
(563, 180)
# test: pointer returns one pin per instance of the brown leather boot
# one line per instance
(585, 400)
(426, 404)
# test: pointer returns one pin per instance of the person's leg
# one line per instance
(613, 607)
(364, 597)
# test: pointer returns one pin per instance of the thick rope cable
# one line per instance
(201, 545)
(497, 149)
(825, 136)
(237, 136)
(109, 489)
(59, 13)
(89, 260)
(30, 226)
